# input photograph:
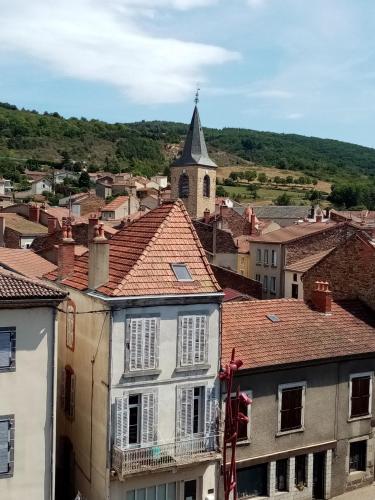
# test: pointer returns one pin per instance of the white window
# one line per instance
(5, 445)
(259, 255)
(196, 411)
(193, 340)
(159, 492)
(265, 283)
(291, 407)
(274, 258)
(142, 344)
(136, 419)
(360, 395)
(273, 285)
(265, 257)
(7, 348)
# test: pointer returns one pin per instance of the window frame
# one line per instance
(265, 283)
(206, 186)
(180, 366)
(128, 320)
(257, 277)
(273, 258)
(71, 304)
(181, 264)
(183, 186)
(246, 440)
(281, 387)
(360, 375)
(11, 436)
(354, 443)
(68, 399)
(266, 257)
(258, 256)
(273, 281)
(12, 360)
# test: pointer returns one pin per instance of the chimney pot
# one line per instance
(65, 253)
(322, 297)
(34, 213)
(51, 224)
(93, 222)
(319, 218)
(223, 209)
(98, 259)
(206, 215)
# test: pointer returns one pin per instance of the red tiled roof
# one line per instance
(16, 287)
(294, 232)
(140, 256)
(305, 264)
(25, 262)
(302, 334)
(116, 203)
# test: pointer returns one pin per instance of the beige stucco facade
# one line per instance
(195, 203)
(263, 269)
(27, 393)
(293, 283)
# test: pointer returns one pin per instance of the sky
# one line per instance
(293, 66)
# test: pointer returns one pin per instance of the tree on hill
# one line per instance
(84, 180)
(283, 200)
(262, 178)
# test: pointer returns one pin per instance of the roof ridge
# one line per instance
(27, 279)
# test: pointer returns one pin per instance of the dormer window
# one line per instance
(181, 272)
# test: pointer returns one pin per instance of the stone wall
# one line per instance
(349, 270)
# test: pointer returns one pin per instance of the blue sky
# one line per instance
(278, 65)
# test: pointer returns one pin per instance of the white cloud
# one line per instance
(103, 41)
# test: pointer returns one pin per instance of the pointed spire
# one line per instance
(195, 149)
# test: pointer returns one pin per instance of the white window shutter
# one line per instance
(149, 418)
(200, 339)
(62, 388)
(72, 395)
(143, 339)
(5, 349)
(4, 446)
(135, 345)
(185, 402)
(121, 425)
(150, 341)
(211, 411)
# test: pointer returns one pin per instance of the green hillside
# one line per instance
(145, 147)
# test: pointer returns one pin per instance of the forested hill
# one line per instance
(143, 147)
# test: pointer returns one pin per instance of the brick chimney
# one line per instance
(206, 216)
(98, 259)
(51, 224)
(34, 212)
(253, 228)
(319, 218)
(322, 297)
(223, 210)
(65, 254)
(93, 222)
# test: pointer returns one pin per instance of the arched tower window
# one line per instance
(183, 186)
(206, 186)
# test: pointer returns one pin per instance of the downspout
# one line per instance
(54, 404)
(109, 413)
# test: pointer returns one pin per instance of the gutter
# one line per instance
(106, 298)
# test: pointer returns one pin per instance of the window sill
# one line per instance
(273, 265)
(258, 263)
(243, 442)
(6, 369)
(142, 373)
(294, 431)
(266, 265)
(183, 369)
(355, 419)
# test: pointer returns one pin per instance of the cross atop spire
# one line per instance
(196, 99)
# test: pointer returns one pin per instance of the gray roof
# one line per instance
(282, 212)
(195, 149)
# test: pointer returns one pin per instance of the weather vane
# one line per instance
(196, 100)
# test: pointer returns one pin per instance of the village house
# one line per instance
(28, 336)
(138, 362)
(120, 207)
(309, 369)
(17, 231)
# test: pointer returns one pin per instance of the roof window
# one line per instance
(181, 272)
(272, 317)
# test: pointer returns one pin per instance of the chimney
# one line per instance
(319, 218)
(253, 228)
(223, 210)
(65, 254)
(322, 297)
(328, 210)
(93, 222)
(2, 230)
(51, 224)
(34, 212)
(312, 213)
(206, 216)
(98, 259)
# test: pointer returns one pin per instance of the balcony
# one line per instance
(164, 455)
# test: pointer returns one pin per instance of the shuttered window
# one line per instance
(143, 340)
(360, 393)
(136, 417)
(291, 408)
(4, 446)
(196, 411)
(193, 341)
(68, 390)
(7, 348)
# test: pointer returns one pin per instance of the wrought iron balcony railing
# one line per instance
(164, 455)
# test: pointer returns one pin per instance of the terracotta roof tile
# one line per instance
(141, 254)
(302, 334)
(25, 262)
(116, 203)
(305, 264)
(14, 286)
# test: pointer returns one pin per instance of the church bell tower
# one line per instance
(193, 175)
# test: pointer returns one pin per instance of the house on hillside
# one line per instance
(309, 369)
(27, 387)
(138, 362)
(18, 232)
(120, 207)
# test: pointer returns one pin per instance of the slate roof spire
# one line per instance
(195, 149)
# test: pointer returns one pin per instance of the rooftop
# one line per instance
(301, 334)
(22, 225)
(141, 254)
(224, 239)
(305, 264)
(116, 203)
(281, 212)
(294, 232)
(26, 262)
(16, 287)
